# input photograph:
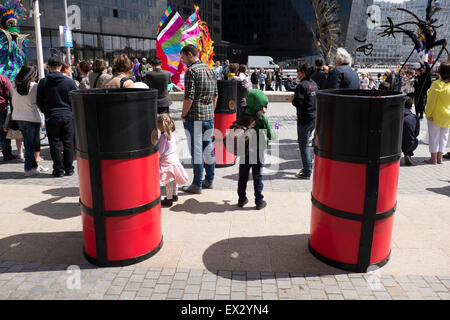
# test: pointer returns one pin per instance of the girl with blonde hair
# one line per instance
(171, 171)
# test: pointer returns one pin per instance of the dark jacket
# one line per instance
(342, 77)
(159, 79)
(289, 85)
(305, 101)
(411, 130)
(319, 77)
(254, 78)
(53, 95)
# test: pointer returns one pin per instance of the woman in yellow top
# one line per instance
(437, 112)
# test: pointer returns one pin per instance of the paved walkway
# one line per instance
(212, 250)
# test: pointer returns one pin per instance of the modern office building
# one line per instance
(210, 12)
(283, 28)
(394, 51)
(103, 28)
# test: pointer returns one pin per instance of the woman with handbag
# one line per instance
(27, 115)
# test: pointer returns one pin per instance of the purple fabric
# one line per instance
(166, 146)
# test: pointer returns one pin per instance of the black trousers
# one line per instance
(60, 131)
(244, 172)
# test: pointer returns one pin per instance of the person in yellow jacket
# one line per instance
(437, 112)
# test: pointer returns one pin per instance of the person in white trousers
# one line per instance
(437, 112)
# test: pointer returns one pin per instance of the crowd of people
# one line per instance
(33, 104)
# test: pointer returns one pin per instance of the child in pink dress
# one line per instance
(171, 171)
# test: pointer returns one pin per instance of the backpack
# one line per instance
(240, 132)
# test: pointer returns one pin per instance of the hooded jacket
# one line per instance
(53, 95)
(256, 100)
(438, 104)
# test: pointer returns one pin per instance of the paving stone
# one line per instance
(346, 285)
(125, 274)
(149, 283)
(164, 280)
(120, 282)
(178, 285)
(127, 295)
(444, 295)
(367, 298)
(161, 288)
(332, 290)
(235, 295)
(168, 272)
(145, 292)
(132, 286)
(220, 290)
(395, 291)
(206, 295)
(317, 294)
(335, 297)
(315, 285)
(382, 295)
(438, 287)
(182, 276)
(209, 286)
(221, 297)
(152, 275)
(137, 278)
(194, 280)
(114, 290)
(284, 284)
(269, 288)
(269, 296)
(329, 281)
(175, 294)
(350, 294)
(209, 277)
(342, 277)
(431, 279)
(427, 292)
(192, 289)
(254, 291)
(359, 282)
(196, 273)
(159, 296)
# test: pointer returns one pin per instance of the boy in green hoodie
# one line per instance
(256, 101)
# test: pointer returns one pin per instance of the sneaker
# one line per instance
(192, 189)
(42, 169)
(242, 204)
(446, 156)
(58, 174)
(303, 176)
(261, 205)
(32, 172)
(69, 173)
(166, 203)
(174, 198)
(206, 185)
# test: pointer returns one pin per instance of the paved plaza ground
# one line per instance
(214, 250)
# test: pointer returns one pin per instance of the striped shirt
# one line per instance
(200, 87)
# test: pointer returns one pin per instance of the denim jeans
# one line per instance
(200, 135)
(5, 143)
(304, 134)
(60, 130)
(278, 86)
(244, 172)
(30, 132)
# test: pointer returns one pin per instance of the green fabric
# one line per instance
(256, 100)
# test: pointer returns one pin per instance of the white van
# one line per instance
(265, 62)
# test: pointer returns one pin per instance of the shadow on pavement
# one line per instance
(444, 190)
(54, 209)
(44, 251)
(283, 254)
(196, 207)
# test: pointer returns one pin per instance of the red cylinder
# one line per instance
(222, 123)
(117, 155)
(355, 179)
(224, 116)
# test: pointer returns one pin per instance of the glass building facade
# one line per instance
(107, 28)
(281, 29)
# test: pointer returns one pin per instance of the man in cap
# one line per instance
(53, 100)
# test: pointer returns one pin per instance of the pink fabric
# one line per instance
(171, 169)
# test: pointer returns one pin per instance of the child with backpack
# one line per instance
(171, 171)
(257, 103)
